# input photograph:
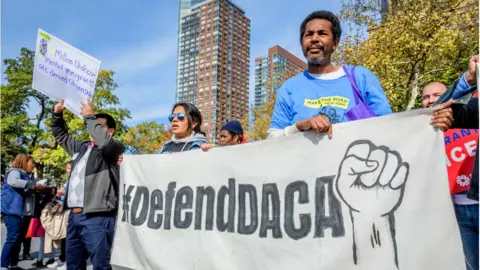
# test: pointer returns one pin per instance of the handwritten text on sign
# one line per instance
(62, 71)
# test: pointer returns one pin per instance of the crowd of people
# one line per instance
(315, 100)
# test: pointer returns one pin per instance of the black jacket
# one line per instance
(466, 116)
(102, 171)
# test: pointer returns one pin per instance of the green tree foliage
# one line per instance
(413, 43)
(262, 115)
(145, 138)
(21, 134)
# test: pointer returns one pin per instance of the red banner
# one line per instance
(460, 147)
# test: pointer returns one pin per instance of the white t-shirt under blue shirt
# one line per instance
(331, 94)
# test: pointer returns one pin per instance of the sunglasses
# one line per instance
(180, 116)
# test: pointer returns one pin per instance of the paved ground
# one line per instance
(34, 252)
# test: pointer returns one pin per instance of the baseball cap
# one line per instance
(234, 127)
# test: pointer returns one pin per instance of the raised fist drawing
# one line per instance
(371, 181)
(372, 178)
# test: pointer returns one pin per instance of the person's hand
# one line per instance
(319, 123)
(43, 189)
(443, 116)
(60, 192)
(59, 107)
(471, 74)
(206, 146)
(87, 108)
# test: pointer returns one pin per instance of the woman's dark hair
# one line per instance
(326, 15)
(193, 115)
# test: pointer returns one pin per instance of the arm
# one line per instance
(96, 130)
(463, 87)
(465, 116)
(468, 79)
(374, 95)
(280, 124)
(14, 180)
(273, 132)
(206, 147)
(110, 148)
(59, 129)
(43, 189)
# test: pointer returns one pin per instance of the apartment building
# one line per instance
(213, 62)
(271, 68)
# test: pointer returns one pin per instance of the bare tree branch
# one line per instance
(432, 71)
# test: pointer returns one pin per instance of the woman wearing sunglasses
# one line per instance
(185, 122)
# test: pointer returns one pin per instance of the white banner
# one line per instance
(63, 71)
(375, 196)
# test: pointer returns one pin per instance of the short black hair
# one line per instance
(110, 121)
(193, 115)
(326, 15)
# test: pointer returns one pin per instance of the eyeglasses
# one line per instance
(180, 116)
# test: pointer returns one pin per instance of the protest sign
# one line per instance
(460, 147)
(63, 71)
(375, 196)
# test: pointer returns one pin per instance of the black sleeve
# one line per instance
(465, 116)
(112, 151)
(60, 132)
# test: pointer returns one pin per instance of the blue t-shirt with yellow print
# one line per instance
(304, 96)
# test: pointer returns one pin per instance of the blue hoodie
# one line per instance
(180, 145)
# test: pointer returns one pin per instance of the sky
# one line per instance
(138, 40)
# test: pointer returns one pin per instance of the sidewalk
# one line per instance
(33, 252)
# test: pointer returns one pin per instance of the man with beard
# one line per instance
(325, 94)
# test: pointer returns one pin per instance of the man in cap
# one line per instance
(231, 134)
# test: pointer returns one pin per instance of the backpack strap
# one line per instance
(351, 77)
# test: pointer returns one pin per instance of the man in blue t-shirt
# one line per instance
(325, 94)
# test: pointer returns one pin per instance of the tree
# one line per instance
(33, 136)
(414, 43)
(14, 105)
(262, 115)
(13, 114)
(145, 138)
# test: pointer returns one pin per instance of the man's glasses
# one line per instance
(180, 116)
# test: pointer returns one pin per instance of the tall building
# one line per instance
(186, 7)
(213, 62)
(279, 62)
